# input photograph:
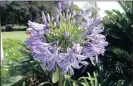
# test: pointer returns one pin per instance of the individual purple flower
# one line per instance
(74, 59)
(37, 28)
(91, 24)
(86, 14)
(44, 57)
(36, 45)
(96, 46)
(59, 6)
(56, 58)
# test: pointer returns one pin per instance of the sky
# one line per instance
(103, 5)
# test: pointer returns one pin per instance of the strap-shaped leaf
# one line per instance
(67, 81)
(55, 76)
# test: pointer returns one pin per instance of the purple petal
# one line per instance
(84, 62)
(81, 57)
(43, 65)
(51, 65)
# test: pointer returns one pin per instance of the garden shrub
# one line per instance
(9, 27)
(2, 28)
(15, 27)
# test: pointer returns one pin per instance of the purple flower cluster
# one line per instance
(51, 56)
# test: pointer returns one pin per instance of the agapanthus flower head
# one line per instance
(66, 39)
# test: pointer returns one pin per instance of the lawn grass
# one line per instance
(18, 35)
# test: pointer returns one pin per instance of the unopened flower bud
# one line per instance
(65, 34)
(55, 24)
(44, 18)
(52, 18)
(48, 17)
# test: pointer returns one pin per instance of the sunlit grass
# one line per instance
(18, 35)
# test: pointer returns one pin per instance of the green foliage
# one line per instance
(11, 56)
(55, 76)
(4, 74)
(19, 12)
(11, 49)
(3, 28)
(118, 26)
(8, 27)
(82, 81)
(67, 81)
(14, 27)
(118, 58)
(25, 71)
(90, 80)
(122, 54)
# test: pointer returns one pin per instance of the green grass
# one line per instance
(18, 35)
(11, 56)
(11, 49)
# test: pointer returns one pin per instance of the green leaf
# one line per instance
(122, 53)
(25, 52)
(24, 84)
(44, 83)
(74, 83)
(15, 81)
(84, 84)
(55, 76)
(95, 79)
(67, 81)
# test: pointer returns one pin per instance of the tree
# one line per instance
(18, 12)
(118, 59)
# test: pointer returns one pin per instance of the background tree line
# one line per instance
(19, 12)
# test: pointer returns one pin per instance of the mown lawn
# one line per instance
(11, 44)
(18, 35)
